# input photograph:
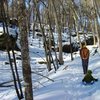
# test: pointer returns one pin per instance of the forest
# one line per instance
(60, 27)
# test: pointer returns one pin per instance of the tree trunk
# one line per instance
(43, 34)
(70, 27)
(51, 37)
(25, 50)
(92, 29)
(59, 33)
(96, 21)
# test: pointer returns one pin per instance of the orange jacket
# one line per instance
(84, 53)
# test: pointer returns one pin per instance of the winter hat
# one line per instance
(89, 71)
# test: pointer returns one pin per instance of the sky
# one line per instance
(67, 83)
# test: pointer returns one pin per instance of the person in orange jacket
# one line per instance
(84, 54)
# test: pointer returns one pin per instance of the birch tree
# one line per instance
(22, 19)
(43, 34)
(58, 25)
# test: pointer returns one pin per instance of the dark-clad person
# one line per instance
(88, 78)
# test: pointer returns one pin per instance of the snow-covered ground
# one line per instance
(67, 83)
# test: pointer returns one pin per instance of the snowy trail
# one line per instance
(68, 83)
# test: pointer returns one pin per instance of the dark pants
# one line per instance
(85, 65)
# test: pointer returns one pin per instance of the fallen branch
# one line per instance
(6, 85)
(39, 56)
(7, 82)
(43, 76)
(65, 67)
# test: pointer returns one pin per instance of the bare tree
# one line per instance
(43, 34)
(96, 21)
(58, 25)
(22, 19)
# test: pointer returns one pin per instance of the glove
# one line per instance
(96, 79)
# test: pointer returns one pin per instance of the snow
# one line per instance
(67, 83)
(11, 31)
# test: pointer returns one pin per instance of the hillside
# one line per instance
(65, 84)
